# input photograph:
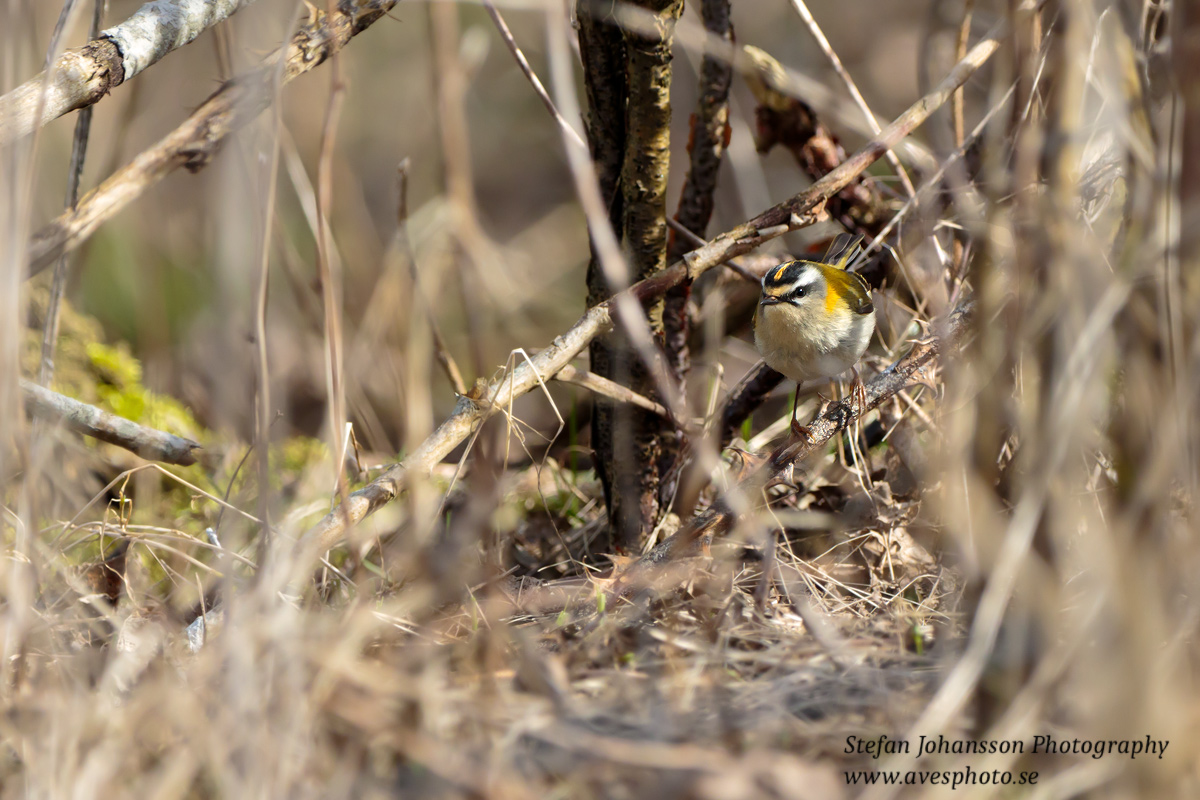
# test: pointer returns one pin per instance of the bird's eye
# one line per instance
(798, 292)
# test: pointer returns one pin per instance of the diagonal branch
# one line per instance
(510, 41)
(797, 212)
(196, 142)
(748, 395)
(785, 120)
(150, 444)
(696, 535)
(82, 76)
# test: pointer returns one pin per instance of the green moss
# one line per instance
(119, 389)
(94, 372)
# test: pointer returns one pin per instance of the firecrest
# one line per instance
(815, 319)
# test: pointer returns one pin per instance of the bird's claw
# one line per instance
(801, 431)
(858, 391)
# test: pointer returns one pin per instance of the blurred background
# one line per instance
(174, 274)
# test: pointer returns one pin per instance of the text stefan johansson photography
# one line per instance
(927, 746)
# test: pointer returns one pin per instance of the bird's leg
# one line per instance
(858, 391)
(798, 430)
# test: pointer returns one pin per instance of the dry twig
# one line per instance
(83, 127)
(82, 76)
(610, 389)
(148, 443)
(196, 142)
(510, 42)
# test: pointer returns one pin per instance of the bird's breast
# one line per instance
(801, 348)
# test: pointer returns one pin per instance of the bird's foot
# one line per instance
(801, 431)
(858, 391)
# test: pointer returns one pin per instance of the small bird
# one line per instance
(815, 319)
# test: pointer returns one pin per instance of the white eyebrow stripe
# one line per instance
(806, 278)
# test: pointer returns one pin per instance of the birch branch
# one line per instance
(82, 76)
(793, 214)
(150, 444)
(196, 142)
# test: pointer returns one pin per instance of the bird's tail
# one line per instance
(845, 248)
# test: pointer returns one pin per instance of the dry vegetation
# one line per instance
(428, 452)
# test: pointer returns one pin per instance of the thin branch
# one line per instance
(748, 395)
(610, 389)
(82, 76)
(793, 214)
(83, 128)
(852, 87)
(197, 141)
(263, 420)
(540, 90)
(331, 278)
(440, 351)
(151, 444)
(956, 103)
(706, 146)
(694, 241)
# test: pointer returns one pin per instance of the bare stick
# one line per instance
(262, 428)
(859, 100)
(83, 127)
(82, 76)
(748, 395)
(956, 103)
(148, 443)
(449, 365)
(540, 90)
(196, 142)
(331, 279)
(695, 241)
(610, 389)
(790, 215)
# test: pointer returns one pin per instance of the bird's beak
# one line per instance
(769, 300)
